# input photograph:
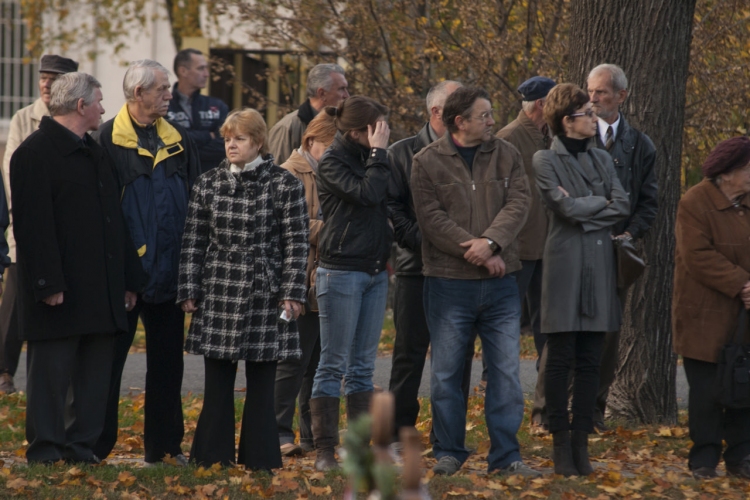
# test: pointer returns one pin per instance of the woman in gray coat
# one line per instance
(584, 198)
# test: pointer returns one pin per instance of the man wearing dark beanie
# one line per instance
(23, 124)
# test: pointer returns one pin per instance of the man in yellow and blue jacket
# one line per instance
(156, 164)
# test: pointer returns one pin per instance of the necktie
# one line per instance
(609, 140)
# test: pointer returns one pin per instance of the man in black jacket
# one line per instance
(634, 155)
(78, 272)
(412, 336)
(200, 115)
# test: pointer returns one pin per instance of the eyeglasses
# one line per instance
(589, 112)
(483, 117)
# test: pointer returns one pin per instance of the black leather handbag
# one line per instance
(733, 371)
(630, 265)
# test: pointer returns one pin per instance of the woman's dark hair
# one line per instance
(356, 113)
(459, 103)
(563, 100)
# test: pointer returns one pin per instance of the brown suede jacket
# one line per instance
(711, 265)
(455, 204)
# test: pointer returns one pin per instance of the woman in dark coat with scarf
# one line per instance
(244, 255)
(711, 286)
(584, 198)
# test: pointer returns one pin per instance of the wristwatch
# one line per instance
(493, 246)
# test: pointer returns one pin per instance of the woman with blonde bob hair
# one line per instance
(296, 377)
(244, 253)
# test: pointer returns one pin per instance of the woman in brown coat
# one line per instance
(296, 376)
(711, 284)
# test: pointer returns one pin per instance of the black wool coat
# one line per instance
(71, 237)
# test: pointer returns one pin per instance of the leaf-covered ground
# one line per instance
(631, 462)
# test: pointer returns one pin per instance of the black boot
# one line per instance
(562, 455)
(324, 413)
(580, 447)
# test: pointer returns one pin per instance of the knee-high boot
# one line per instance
(324, 413)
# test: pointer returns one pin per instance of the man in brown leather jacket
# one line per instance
(471, 198)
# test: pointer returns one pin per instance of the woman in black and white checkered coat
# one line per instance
(244, 256)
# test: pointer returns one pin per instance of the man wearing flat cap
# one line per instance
(528, 133)
(23, 124)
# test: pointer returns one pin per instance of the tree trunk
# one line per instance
(651, 42)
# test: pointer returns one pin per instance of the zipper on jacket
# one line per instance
(506, 182)
(341, 241)
(473, 186)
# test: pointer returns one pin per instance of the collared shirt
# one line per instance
(603, 128)
(431, 132)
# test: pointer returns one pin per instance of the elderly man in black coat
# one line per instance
(77, 269)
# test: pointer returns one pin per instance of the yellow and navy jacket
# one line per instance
(154, 193)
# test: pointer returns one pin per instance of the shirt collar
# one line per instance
(248, 166)
(603, 128)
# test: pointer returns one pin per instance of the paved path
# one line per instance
(133, 379)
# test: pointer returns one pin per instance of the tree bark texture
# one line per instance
(650, 40)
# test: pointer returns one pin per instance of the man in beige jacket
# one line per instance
(528, 133)
(326, 86)
(23, 124)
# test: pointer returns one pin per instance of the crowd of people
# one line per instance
(277, 243)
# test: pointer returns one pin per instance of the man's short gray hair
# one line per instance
(140, 74)
(617, 76)
(439, 93)
(528, 106)
(68, 89)
(320, 78)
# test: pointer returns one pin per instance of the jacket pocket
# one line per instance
(340, 247)
(456, 198)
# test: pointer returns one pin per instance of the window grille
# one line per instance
(18, 76)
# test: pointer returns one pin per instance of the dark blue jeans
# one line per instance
(455, 309)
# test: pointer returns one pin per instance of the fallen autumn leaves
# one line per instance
(648, 462)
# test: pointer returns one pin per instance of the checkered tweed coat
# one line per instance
(244, 249)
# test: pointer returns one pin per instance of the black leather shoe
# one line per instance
(740, 470)
(702, 473)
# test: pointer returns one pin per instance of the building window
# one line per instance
(18, 77)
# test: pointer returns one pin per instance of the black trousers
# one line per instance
(10, 336)
(295, 378)
(163, 421)
(710, 423)
(214, 435)
(60, 427)
(410, 350)
(563, 349)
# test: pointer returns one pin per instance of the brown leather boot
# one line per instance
(357, 404)
(324, 413)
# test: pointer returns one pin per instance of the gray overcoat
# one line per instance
(579, 284)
